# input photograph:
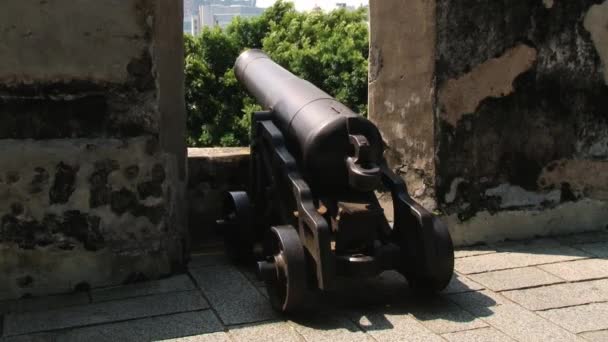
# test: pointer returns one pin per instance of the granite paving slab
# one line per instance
(478, 335)
(580, 318)
(387, 327)
(40, 337)
(544, 290)
(460, 283)
(173, 284)
(176, 326)
(533, 246)
(590, 237)
(475, 301)
(147, 329)
(198, 260)
(329, 328)
(515, 278)
(44, 303)
(232, 295)
(105, 312)
(579, 269)
(511, 319)
(516, 259)
(279, 331)
(212, 337)
(443, 316)
(595, 336)
(600, 284)
(473, 251)
(598, 249)
(555, 296)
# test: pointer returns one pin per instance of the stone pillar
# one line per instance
(496, 113)
(92, 143)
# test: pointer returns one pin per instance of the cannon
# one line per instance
(311, 214)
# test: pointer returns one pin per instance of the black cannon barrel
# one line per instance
(335, 146)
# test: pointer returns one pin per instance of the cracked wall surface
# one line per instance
(92, 182)
(517, 112)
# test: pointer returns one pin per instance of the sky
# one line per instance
(305, 5)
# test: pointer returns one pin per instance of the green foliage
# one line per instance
(328, 49)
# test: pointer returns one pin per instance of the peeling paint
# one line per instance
(414, 100)
(390, 107)
(588, 177)
(493, 78)
(596, 22)
(375, 63)
(419, 186)
(451, 195)
(512, 196)
(570, 217)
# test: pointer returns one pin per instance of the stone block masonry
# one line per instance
(496, 112)
(211, 173)
(92, 134)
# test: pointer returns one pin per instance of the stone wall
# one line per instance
(495, 112)
(211, 173)
(92, 170)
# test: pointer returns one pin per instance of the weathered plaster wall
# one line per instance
(92, 175)
(519, 111)
(401, 94)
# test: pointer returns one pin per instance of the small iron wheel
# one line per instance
(237, 227)
(429, 273)
(284, 270)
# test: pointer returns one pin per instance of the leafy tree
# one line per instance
(328, 49)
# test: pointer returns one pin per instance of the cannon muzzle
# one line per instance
(336, 147)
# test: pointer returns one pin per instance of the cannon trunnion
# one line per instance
(311, 213)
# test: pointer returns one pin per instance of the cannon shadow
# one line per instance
(385, 302)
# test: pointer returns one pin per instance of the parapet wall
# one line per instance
(211, 173)
(92, 125)
(496, 112)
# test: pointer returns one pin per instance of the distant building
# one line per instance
(187, 25)
(191, 8)
(345, 6)
(221, 15)
(192, 25)
(210, 13)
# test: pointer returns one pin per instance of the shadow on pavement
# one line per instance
(377, 303)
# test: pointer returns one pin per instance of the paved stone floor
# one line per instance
(553, 289)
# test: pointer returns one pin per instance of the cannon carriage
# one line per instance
(311, 213)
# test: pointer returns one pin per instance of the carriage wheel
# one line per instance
(284, 270)
(429, 272)
(237, 227)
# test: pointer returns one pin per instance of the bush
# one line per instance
(328, 49)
